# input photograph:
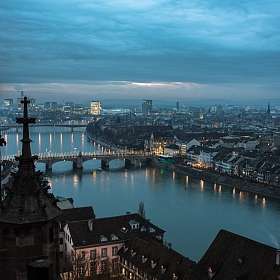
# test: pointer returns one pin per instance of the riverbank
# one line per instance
(239, 184)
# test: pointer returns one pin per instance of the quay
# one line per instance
(238, 184)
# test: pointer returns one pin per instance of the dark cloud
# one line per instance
(208, 42)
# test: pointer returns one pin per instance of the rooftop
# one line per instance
(77, 214)
(232, 256)
(112, 228)
(156, 259)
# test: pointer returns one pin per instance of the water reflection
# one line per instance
(190, 210)
(201, 185)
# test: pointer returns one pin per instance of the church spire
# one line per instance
(26, 161)
(268, 111)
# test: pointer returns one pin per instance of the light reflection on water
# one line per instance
(191, 211)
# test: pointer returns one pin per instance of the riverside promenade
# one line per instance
(238, 184)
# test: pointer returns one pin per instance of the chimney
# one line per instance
(90, 225)
(277, 260)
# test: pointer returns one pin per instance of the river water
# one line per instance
(191, 211)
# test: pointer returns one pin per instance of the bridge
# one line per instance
(131, 158)
(70, 125)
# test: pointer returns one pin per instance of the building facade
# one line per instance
(95, 108)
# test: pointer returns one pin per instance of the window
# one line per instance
(103, 266)
(83, 255)
(104, 252)
(115, 250)
(93, 254)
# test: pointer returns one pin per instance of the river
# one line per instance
(191, 211)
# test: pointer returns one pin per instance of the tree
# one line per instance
(80, 268)
(86, 268)
(141, 210)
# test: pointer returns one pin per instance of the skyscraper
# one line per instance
(147, 106)
(177, 106)
(95, 108)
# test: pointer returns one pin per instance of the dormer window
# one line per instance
(144, 259)
(151, 229)
(143, 228)
(124, 229)
(162, 269)
(134, 224)
(153, 264)
(103, 238)
(114, 237)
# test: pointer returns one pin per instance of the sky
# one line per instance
(127, 49)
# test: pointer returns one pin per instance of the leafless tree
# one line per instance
(88, 268)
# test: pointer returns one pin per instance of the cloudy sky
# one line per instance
(169, 49)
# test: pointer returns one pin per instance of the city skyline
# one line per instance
(153, 49)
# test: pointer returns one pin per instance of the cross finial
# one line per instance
(25, 103)
(26, 159)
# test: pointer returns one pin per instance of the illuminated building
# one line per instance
(8, 102)
(95, 108)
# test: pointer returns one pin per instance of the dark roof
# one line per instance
(232, 256)
(28, 201)
(143, 252)
(77, 214)
(111, 229)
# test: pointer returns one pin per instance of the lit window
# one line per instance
(115, 251)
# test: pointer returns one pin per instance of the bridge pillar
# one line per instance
(137, 163)
(49, 166)
(72, 128)
(78, 163)
(105, 164)
(127, 163)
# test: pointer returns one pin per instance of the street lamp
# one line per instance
(2, 143)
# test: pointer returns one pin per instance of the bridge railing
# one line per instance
(74, 155)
